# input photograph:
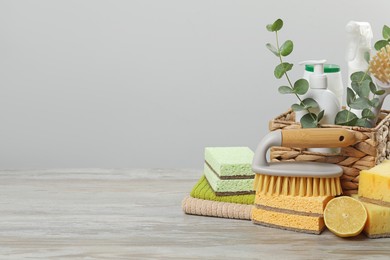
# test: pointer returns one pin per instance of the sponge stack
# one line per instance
(374, 184)
(378, 221)
(295, 213)
(229, 170)
(202, 190)
(226, 188)
(374, 192)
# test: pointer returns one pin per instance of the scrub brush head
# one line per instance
(380, 65)
(297, 186)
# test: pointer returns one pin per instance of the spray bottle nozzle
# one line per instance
(359, 37)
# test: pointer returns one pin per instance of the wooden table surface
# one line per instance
(136, 214)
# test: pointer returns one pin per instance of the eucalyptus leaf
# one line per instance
(367, 56)
(301, 86)
(351, 96)
(359, 76)
(296, 107)
(374, 102)
(309, 121)
(269, 27)
(380, 92)
(373, 88)
(285, 90)
(272, 49)
(276, 26)
(356, 87)
(281, 69)
(363, 122)
(375, 91)
(360, 103)
(286, 48)
(345, 117)
(380, 44)
(365, 88)
(367, 113)
(320, 115)
(386, 32)
(362, 89)
(309, 103)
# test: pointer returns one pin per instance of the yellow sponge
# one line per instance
(378, 220)
(311, 205)
(282, 220)
(374, 184)
(296, 213)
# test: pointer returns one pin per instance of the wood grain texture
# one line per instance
(136, 214)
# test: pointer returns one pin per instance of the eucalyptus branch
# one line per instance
(300, 87)
(281, 62)
(358, 94)
(288, 78)
(358, 97)
(360, 82)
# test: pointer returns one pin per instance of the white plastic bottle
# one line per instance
(335, 82)
(325, 98)
(359, 36)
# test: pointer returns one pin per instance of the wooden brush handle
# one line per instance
(318, 137)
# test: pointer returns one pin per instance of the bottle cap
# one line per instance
(328, 68)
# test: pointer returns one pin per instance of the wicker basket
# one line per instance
(372, 148)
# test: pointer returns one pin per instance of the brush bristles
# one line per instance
(380, 65)
(297, 186)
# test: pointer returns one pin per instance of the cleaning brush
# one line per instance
(380, 65)
(297, 186)
(380, 73)
(300, 178)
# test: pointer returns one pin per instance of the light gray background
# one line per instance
(150, 83)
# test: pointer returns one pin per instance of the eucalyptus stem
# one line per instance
(281, 61)
(349, 111)
(288, 78)
(365, 74)
(360, 82)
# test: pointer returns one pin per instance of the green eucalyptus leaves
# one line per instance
(386, 38)
(300, 87)
(363, 94)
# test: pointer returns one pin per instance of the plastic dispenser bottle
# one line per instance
(359, 36)
(335, 82)
(325, 98)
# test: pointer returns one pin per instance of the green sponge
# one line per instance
(203, 190)
(230, 161)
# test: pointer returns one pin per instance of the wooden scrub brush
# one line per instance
(380, 73)
(300, 178)
(380, 65)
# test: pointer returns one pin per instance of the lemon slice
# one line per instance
(345, 216)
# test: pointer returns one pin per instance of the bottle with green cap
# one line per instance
(335, 82)
(325, 98)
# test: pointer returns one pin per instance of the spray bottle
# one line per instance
(358, 50)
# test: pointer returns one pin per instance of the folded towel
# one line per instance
(201, 207)
(203, 190)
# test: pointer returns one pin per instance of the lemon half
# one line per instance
(345, 216)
